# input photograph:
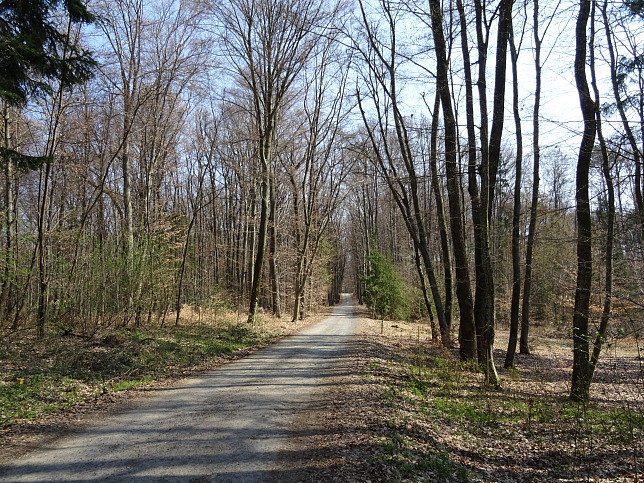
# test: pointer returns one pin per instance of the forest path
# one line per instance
(226, 425)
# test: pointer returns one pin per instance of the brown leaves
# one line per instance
(396, 416)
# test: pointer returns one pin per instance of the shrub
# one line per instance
(384, 291)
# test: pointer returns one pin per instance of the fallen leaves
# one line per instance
(386, 421)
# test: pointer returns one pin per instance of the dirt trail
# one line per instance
(227, 425)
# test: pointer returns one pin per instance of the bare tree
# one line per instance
(516, 211)
(267, 43)
(600, 334)
(317, 170)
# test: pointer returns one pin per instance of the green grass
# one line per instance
(125, 385)
(410, 460)
(29, 397)
(464, 411)
(418, 387)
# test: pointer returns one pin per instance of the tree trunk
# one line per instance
(610, 218)
(41, 247)
(442, 225)
(534, 202)
(272, 262)
(581, 371)
(516, 214)
(10, 239)
(444, 334)
(467, 334)
(265, 207)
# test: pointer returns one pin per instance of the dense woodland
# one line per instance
(266, 155)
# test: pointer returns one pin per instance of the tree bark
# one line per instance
(442, 225)
(610, 217)
(273, 272)
(258, 264)
(524, 347)
(516, 214)
(10, 239)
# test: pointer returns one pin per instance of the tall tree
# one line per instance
(440, 214)
(389, 137)
(581, 372)
(467, 334)
(267, 44)
(319, 169)
(610, 210)
(536, 159)
(516, 211)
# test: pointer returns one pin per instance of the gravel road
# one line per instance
(225, 426)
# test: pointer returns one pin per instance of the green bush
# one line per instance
(384, 291)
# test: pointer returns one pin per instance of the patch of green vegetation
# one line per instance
(599, 421)
(385, 292)
(449, 375)
(418, 387)
(589, 413)
(388, 396)
(464, 410)
(29, 397)
(409, 461)
(514, 374)
(131, 384)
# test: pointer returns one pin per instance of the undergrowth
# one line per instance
(445, 426)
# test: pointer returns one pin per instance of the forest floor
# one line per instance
(410, 411)
(404, 409)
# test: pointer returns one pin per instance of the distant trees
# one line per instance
(268, 44)
(150, 200)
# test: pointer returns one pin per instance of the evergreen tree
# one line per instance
(384, 291)
(35, 49)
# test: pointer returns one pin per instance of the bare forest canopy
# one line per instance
(467, 163)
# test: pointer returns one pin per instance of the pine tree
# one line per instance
(384, 291)
(35, 49)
